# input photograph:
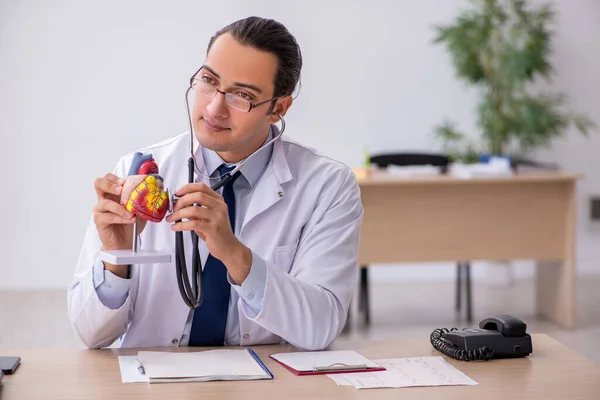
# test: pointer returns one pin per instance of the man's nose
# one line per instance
(217, 108)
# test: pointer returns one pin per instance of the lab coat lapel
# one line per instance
(268, 190)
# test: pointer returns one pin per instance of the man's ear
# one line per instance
(281, 107)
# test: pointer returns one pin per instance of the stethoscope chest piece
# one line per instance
(173, 198)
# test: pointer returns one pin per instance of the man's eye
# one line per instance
(208, 79)
(244, 95)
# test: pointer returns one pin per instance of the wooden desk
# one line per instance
(551, 372)
(444, 218)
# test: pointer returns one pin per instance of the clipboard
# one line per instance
(325, 362)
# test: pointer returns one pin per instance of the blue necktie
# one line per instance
(208, 325)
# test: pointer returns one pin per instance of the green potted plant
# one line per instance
(503, 46)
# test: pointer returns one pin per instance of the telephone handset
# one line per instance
(501, 336)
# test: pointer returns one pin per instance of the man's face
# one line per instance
(245, 72)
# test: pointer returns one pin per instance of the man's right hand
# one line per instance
(113, 221)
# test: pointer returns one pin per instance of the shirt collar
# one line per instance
(252, 169)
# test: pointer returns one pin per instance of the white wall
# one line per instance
(81, 83)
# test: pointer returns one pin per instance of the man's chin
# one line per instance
(214, 144)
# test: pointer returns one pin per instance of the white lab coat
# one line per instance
(303, 220)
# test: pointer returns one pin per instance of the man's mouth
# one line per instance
(211, 126)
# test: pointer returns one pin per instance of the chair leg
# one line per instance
(364, 294)
(458, 286)
(468, 291)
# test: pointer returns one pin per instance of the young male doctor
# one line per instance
(280, 260)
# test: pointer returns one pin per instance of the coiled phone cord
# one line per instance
(481, 354)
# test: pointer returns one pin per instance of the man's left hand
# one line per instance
(211, 223)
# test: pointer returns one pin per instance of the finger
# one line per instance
(105, 186)
(113, 207)
(106, 218)
(196, 187)
(114, 179)
(193, 225)
(198, 198)
(194, 213)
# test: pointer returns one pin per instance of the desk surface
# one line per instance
(551, 372)
(382, 178)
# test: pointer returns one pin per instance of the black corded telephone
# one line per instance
(502, 336)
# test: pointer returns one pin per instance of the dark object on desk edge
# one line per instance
(8, 365)
(502, 336)
(408, 159)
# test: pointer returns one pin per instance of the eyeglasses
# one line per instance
(232, 100)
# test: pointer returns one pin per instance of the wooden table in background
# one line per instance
(551, 372)
(443, 218)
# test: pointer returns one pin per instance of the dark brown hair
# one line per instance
(273, 37)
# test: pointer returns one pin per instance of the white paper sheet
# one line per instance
(340, 380)
(129, 366)
(413, 170)
(496, 167)
(406, 372)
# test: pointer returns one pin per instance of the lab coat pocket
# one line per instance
(284, 255)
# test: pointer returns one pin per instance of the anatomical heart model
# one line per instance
(143, 195)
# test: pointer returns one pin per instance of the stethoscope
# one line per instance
(192, 292)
